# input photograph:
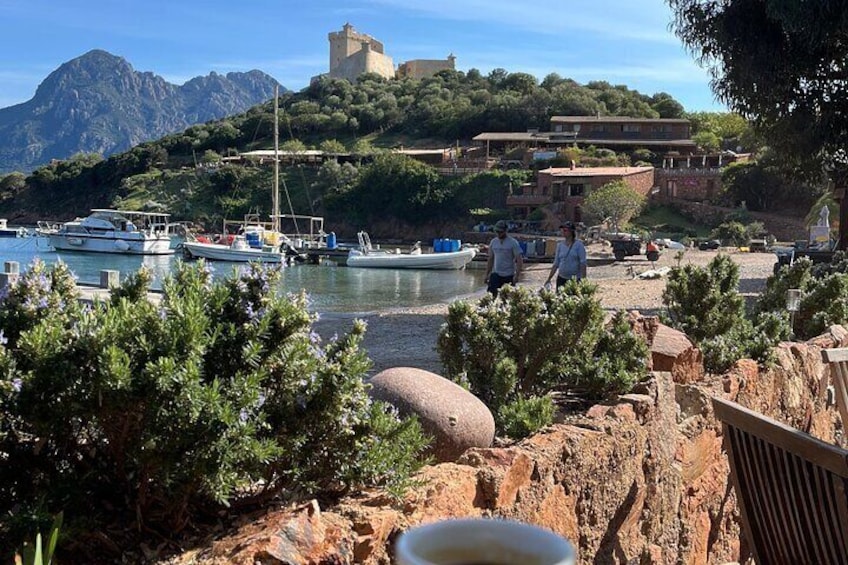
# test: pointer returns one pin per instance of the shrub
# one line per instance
(220, 394)
(704, 303)
(731, 233)
(824, 298)
(515, 349)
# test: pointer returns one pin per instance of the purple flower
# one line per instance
(17, 384)
(3, 339)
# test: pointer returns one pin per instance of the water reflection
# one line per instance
(331, 288)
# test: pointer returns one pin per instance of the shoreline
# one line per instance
(406, 337)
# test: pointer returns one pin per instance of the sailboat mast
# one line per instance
(275, 197)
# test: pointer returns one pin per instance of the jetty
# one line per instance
(89, 291)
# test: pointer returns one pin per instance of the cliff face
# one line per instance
(97, 103)
(643, 480)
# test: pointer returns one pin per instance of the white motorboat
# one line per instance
(8, 231)
(239, 250)
(369, 257)
(112, 231)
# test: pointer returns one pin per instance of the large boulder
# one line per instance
(454, 417)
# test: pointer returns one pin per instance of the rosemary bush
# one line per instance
(824, 298)
(512, 351)
(218, 395)
(705, 304)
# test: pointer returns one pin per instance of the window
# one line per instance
(630, 128)
(575, 190)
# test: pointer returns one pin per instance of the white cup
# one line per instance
(480, 541)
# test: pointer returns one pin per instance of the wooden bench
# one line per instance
(792, 489)
(837, 360)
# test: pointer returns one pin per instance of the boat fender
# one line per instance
(121, 244)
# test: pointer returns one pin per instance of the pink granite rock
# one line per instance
(454, 417)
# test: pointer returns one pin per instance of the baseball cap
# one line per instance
(500, 225)
(569, 225)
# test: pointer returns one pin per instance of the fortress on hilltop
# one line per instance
(353, 53)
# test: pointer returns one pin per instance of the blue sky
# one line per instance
(620, 41)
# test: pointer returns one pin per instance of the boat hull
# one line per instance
(438, 261)
(218, 252)
(110, 244)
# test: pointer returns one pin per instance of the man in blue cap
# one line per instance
(505, 260)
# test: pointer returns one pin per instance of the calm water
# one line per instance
(331, 288)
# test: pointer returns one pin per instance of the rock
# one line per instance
(672, 351)
(454, 417)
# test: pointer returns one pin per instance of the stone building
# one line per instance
(423, 68)
(353, 53)
(562, 190)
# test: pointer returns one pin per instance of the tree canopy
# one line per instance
(780, 64)
(615, 200)
(783, 66)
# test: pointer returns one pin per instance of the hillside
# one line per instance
(97, 103)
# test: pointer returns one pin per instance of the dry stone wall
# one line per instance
(639, 480)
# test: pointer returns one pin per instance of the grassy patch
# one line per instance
(663, 221)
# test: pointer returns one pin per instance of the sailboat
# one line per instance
(256, 240)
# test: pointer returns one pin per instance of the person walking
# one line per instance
(570, 257)
(505, 261)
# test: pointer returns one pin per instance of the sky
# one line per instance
(619, 41)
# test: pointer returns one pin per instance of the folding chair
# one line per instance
(792, 489)
(837, 359)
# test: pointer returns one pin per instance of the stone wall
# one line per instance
(423, 68)
(783, 227)
(639, 480)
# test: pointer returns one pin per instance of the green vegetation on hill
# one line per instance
(362, 118)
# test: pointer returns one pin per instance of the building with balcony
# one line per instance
(695, 178)
(562, 190)
(611, 132)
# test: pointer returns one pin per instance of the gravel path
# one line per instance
(407, 337)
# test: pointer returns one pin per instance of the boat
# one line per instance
(8, 231)
(127, 232)
(369, 257)
(238, 250)
(255, 240)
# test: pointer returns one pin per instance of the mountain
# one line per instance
(98, 103)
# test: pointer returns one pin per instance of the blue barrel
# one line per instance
(438, 245)
(253, 239)
(331, 240)
(455, 243)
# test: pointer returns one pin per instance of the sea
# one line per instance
(331, 288)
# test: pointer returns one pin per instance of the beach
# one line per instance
(406, 337)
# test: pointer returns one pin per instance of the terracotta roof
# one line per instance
(594, 171)
(617, 119)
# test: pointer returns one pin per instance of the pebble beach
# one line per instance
(407, 337)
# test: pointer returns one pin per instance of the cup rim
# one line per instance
(560, 550)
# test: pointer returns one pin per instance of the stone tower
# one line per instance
(346, 44)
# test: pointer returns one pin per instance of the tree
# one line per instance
(12, 182)
(333, 146)
(615, 200)
(707, 140)
(293, 146)
(783, 66)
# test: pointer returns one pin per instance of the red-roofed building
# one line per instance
(563, 189)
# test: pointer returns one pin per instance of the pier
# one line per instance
(89, 291)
